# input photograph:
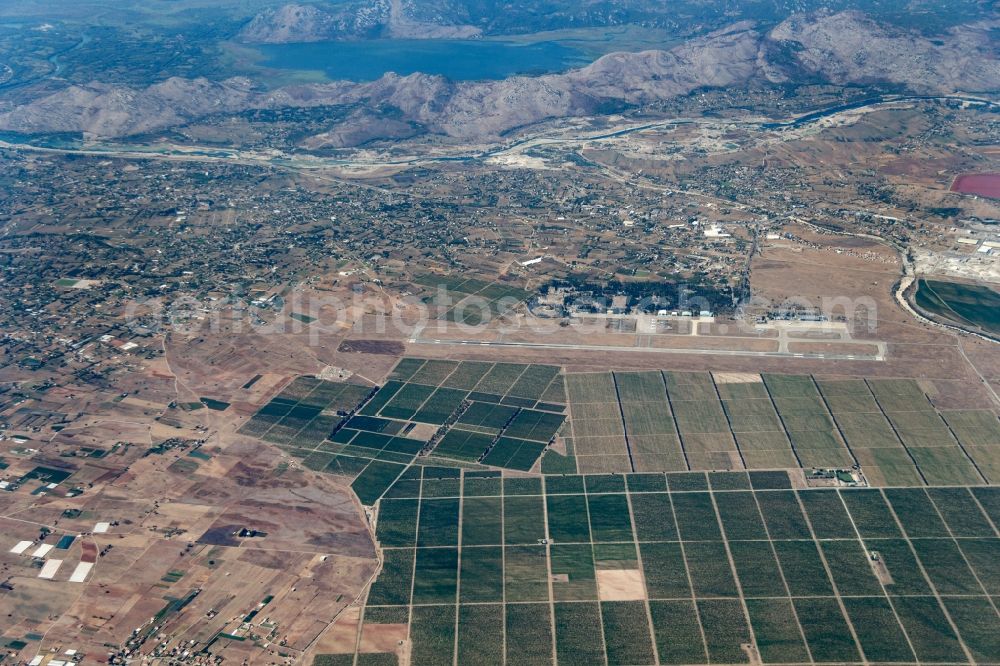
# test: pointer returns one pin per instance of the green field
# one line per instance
(519, 569)
(484, 413)
(970, 305)
(673, 421)
(648, 559)
(472, 301)
(305, 413)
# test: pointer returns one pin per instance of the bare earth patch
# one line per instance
(385, 347)
(382, 637)
(737, 378)
(342, 636)
(620, 585)
(422, 431)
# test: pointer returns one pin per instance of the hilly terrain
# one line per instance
(846, 48)
(430, 19)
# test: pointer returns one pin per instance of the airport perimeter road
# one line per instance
(654, 350)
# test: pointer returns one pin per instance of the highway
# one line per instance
(561, 136)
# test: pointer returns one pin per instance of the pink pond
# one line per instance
(983, 184)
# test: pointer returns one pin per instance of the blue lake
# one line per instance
(459, 60)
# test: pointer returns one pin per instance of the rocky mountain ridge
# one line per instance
(320, 20)
(842, 48)
(375, 18)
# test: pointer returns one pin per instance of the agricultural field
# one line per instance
(487, 567)
(528, 515)
(534, 417)
(598, 431)
(305, 412)
(677, 421)
(468, 300)
(500, 415)
(495, 414)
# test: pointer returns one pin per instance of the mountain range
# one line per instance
(840, 48)
(321, 20)
(378, 18)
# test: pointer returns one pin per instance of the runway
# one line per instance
(650, 350)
